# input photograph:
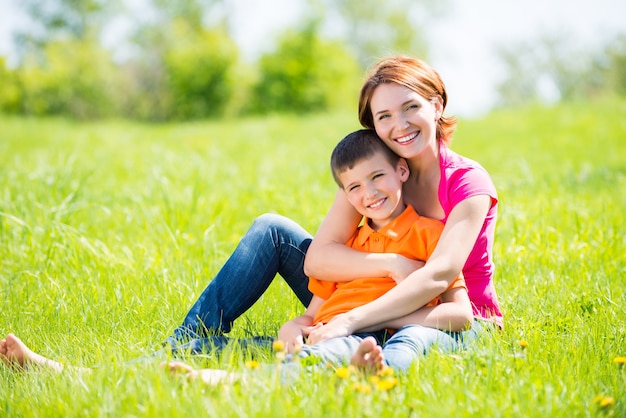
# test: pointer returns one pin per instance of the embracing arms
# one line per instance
(419, 287)
(330, 258)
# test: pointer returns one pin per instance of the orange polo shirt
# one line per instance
(410, 235)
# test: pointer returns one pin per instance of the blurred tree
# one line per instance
(55, 20)
(10, 92)
(78, 79)
(374, 29)
(552, 68)
(616, 65)
(306, 73)
(184, 64)
(198, 65)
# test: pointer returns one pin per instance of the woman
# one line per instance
(404, 100)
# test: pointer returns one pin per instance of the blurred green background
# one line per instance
(156, 60)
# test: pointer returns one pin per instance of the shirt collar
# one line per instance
(394, 230)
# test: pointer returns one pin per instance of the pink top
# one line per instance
(462, 178)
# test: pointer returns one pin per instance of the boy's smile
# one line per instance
(374, 187)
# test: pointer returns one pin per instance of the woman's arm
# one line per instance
(420, 287)
(453, 314)
(330, 258)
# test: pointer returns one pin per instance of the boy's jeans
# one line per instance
(273, 245)
(406, 345)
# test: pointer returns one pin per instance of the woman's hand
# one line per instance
(339, 326)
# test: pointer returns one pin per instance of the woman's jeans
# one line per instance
(273, 245)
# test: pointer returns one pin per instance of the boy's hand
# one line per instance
(403, 267)
(292, 332)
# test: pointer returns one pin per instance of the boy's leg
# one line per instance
(411, 342)
(340, 350)
(273, 245)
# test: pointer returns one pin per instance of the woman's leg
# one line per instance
(273, 245)
(14, 353)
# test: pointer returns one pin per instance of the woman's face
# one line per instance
(404, 120)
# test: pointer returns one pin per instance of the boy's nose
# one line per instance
(371, 190)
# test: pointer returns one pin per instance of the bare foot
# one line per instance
(14, 353)
(208, 376)
(369, 356)
(177, 367)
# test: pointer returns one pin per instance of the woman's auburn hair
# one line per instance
(414, 74)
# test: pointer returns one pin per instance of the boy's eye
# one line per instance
(353, 188)
(378, 175)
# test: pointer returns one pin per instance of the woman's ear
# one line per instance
(403, 169)
(437, 102)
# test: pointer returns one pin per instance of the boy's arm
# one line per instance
(454, 313)
(291, 331)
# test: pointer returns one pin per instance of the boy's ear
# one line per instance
(403, 169)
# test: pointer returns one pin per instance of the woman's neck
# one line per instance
(424, 166)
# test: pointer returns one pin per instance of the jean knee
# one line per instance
(266, 221)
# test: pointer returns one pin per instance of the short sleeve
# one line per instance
(470, 181)
(321, 288)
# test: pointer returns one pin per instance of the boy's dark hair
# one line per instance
(358, 146)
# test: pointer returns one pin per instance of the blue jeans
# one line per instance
(273, 245)
(405, 346)
(276, 245)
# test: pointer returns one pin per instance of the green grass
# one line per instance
(109, 231)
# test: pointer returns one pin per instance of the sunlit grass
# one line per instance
(110, 231)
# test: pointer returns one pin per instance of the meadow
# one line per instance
(110, 230)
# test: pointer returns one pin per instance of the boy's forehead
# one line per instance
(376, 161)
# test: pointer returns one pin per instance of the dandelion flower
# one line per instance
(252, 364)
(360, 387)
(342, 372)
(606, 402)
(620, 361)
(598, 398)
(278, 345)
(386, 371)
(523, 344)
(386, 384)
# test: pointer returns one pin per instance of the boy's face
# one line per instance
(374, 187)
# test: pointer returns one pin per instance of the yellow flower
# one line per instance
(387, 384)
(278, 345)
(374, 379)
(606, 402)
(620, 361)
(598, 398)
(523, 344)
(386, 371)
(342, 372)
(359, 387)
(252, 364)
